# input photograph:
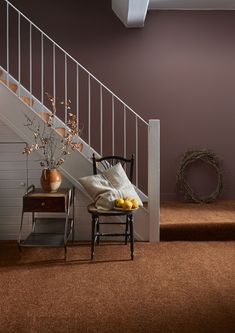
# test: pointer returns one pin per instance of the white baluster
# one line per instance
(101, 120)
(136, 152)
(30, 63)
(8, 44)
(65, 89)
(54, 73)
(42, 70)
(113, 127)
(89, 110)
(19, 54)
(77, 95)
(124, 130)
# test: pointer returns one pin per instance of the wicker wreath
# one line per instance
(190, 157)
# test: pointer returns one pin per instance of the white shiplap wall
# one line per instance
(13, 183)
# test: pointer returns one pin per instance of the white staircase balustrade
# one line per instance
(110, 126)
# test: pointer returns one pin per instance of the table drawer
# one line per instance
(44, 204)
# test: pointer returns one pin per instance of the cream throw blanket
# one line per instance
(104, 188)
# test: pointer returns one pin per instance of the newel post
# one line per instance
(154, 180)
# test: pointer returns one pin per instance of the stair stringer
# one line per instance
(13, 111)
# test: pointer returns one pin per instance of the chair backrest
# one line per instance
(107, 162)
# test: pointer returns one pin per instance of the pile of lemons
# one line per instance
(126, 203)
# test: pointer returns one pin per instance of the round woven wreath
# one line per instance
(190, 157)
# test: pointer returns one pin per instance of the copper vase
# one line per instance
(50, 180)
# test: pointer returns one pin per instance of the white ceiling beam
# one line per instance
(131, 12)
(192, 4)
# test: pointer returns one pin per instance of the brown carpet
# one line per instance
(190, 213)
(198, 222)
(169, 287)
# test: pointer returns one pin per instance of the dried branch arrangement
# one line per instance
(54, 148)
(183, 185)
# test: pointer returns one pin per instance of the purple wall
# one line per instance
(180, 68)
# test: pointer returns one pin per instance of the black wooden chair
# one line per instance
(105, 163)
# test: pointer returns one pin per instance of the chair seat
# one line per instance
(113, 212)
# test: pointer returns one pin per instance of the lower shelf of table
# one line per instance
(44, 239)
(48, 238)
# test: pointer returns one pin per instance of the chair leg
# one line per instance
(131, 236)
(65, 252)
(93, 223)
(98, 230)
(73, 231)
(126, 232)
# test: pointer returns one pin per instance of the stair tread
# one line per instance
(60, 130)
(44, 115)
(11, 85)
(27, 100)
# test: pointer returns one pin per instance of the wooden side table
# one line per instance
(37, 201)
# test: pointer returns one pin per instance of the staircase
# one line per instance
(109, 126)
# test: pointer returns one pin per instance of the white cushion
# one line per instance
(104, 188)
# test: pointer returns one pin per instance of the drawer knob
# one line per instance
(43, 204)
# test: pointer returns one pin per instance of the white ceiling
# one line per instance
(192, 4)
(133, 12)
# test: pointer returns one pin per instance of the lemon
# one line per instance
(119, 202)
(134, 200)
(127, 204)
(135, 203)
